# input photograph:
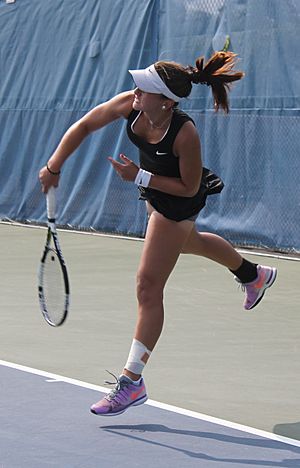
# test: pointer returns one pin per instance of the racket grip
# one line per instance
(51, 203)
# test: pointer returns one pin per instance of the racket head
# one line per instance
(53, 287)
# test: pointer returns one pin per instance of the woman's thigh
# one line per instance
(164, 241)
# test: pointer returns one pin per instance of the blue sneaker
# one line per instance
(123, 396)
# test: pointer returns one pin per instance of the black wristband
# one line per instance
(52, 172)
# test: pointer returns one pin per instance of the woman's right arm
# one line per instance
(117, 107)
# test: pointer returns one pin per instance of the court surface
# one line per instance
(213, 359)
(48, 425)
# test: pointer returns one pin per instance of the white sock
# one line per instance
(134, 382)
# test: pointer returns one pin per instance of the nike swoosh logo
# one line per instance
(260, 283)
(160, 154)
(134, 395)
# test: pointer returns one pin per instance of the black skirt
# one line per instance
(180, 208)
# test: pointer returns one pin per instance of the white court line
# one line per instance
(241, 250)
(174, 409)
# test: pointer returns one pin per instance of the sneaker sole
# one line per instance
(267, 285)
(135, 403)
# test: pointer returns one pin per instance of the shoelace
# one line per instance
(240, 285)
(119, 385)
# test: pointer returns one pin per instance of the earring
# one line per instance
(163, 107)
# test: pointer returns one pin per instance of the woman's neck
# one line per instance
(160, 122)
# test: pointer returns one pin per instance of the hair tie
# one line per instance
(205, 78)
(200, 76)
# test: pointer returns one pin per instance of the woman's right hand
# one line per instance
(47, 179)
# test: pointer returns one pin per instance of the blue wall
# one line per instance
(61, 58)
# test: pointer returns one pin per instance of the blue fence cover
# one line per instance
(60, 58)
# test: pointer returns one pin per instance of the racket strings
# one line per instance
(54, 287)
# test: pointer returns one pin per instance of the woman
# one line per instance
(169, 178)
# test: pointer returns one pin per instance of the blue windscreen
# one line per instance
(59, 59)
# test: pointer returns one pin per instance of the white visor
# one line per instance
(148, 80)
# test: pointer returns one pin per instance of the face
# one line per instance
(147, 102)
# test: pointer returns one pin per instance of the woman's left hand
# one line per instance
(126, 169)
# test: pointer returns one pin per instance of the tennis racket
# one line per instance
(53, 281)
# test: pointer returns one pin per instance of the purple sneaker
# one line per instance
(256, 289)
(123, 396)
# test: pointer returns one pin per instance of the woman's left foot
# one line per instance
(123, 396)
(256, 289)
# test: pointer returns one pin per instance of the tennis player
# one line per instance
(169, 179)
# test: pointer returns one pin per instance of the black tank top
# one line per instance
(159, 159)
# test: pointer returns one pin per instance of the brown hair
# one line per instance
(217, 72)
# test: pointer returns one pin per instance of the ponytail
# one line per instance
(217, 73)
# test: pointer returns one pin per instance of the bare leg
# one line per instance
(163, 244)
(214, 247)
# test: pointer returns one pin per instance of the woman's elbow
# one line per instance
(191, 190)
(81, 127)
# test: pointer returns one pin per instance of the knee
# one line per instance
(148, 290)
(195, 244)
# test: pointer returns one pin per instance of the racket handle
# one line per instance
(51, 203)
